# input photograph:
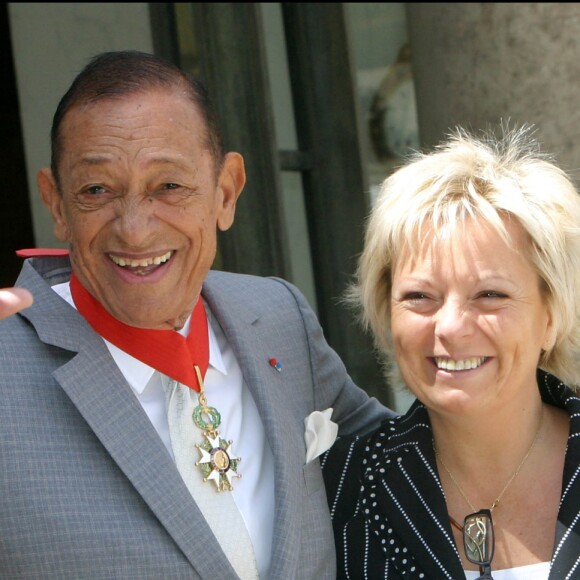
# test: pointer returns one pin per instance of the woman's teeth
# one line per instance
(467, 364)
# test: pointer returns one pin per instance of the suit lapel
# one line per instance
(565, 559)
(252, 345)
(399, 482)
(104, 399)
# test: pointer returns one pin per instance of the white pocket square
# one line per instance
(320, 433)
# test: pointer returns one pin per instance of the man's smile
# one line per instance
(142, 263)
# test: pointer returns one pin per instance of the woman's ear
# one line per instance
(550, 339)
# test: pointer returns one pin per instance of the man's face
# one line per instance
(140, 202)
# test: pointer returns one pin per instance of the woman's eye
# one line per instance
(492, 294)
(415, 296)
(419, 302)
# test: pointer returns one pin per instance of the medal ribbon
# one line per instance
(165, 350)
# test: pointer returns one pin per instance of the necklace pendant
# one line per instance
(216, 462)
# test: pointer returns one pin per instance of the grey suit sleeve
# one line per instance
(353, 409)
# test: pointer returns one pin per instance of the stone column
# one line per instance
(478, 63)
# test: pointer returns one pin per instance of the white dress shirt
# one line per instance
(531, 572)
(225, 390)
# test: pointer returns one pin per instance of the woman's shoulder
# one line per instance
(344, 463)
(345, 451)
(349, 448)
(392, 431)
(341, 468)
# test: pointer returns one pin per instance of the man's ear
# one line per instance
(231, 181)
(53, 201)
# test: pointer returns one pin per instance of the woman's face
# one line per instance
(469, 319)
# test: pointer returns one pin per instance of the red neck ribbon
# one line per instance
(165, 350)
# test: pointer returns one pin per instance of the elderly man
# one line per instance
(153, 412)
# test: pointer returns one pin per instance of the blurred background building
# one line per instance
(322, 99)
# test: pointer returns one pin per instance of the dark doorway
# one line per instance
(15, 218)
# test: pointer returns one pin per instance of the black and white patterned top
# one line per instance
(388, 508)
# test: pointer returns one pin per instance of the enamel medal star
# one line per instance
(217, 462)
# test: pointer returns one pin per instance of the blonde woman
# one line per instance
(469, 282)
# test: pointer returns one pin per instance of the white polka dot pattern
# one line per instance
(388, 507)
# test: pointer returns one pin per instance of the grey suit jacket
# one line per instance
(87, 488)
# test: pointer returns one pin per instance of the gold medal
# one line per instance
(216, 462)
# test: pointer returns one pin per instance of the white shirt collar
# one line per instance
(139, 373)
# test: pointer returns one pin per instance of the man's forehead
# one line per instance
(156, 126)
(133, 123)
(139, 100)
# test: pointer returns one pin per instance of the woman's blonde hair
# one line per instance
(487, 178)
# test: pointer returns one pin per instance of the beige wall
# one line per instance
(476, 63)
(51, 42)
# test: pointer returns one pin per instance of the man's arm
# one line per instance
(13, 300)
(353, 410)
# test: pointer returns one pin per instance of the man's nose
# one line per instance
(135, 220)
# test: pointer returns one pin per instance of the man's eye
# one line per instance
(95, 189)
(171, 186)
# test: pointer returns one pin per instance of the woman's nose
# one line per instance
(453, 321)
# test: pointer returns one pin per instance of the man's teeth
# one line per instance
(141, 263)
(448, 364)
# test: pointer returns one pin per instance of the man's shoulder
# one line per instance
(248, 286)
(221, 276)
(42, 272)
(50, 319)
(247, 297)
